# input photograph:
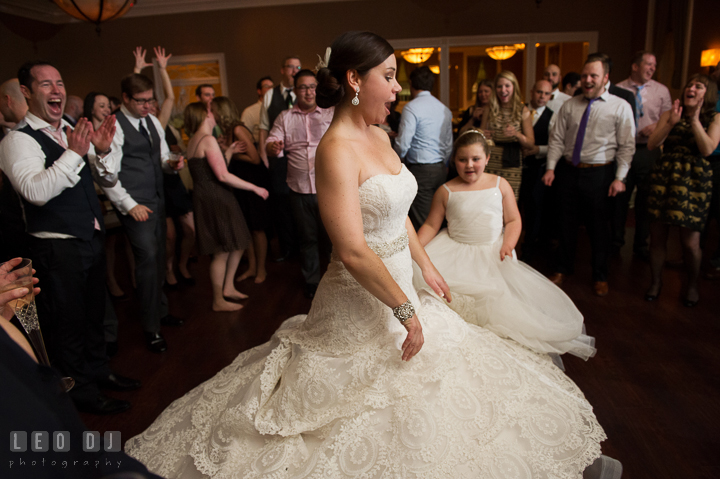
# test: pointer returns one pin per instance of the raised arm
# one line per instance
(708, 140)
(169, 101)
(140, 63)
(666, 123)
(336, 177)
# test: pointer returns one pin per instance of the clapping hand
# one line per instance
(140, 59)
(676, 113)
(78, 140)
(160, 57)
(103, 137)
(234, 148)
(510, 131)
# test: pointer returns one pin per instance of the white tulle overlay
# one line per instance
(507, 297)
(329, 397)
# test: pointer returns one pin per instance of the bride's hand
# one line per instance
(435, 280)
(414, 340)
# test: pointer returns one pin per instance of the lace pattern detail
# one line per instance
(329, 397)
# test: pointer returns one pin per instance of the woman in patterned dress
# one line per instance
(681, 181)
(510, 125)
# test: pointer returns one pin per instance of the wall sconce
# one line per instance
(417, 55)
(710, 58)
(435, 69)
(502, 52)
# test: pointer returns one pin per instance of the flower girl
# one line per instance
(476, 256)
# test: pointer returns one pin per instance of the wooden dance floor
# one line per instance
(654, 383)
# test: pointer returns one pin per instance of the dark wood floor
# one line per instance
(654, 383)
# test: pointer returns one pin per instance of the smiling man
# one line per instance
(295, 136)
(591, 146)
(139, 198)
(52, 167)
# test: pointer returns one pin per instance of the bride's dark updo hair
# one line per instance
(360, 51)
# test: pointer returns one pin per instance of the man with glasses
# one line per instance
(274, 102)
(295, 137)
(138, 197)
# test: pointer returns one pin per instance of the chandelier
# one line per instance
(96, 11)
(502, 52)
(417, 55)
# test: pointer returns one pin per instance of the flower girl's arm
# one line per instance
(511, 219)
(435, 218)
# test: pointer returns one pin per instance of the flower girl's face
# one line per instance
(470, 162)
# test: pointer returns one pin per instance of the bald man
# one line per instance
(554, 76)
(73, 109)
(12, 103)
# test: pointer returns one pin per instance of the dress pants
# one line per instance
(532, 200)
(583, 196)
(311, 231)
(638, 176)
(71, 308)
(147, 239)
(429, 178)
(282, 217)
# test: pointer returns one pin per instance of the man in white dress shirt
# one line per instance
(591, 145)
(251, 115)
(557, 98)
(139, 198)
(52, 167)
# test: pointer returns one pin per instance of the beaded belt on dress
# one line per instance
(385, 250)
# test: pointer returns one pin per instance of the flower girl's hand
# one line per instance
(505, 251)
(414, 340)
(435, 280)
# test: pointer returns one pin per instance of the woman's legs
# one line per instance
(252, 264)
(229, 290)
(187, 223)
(170, 240)
(261, 247)
(658, 246)
(693, 257)
(218, 270)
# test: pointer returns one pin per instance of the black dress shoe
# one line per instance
(111, 348)
(310, 290)
(103, 405)
(171, 320)
(116, 382)
(155, 342)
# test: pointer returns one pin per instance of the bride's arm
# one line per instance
(336, 179)
(430, 274)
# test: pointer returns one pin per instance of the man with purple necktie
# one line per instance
(591, 147)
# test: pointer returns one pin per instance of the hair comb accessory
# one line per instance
(324, 62)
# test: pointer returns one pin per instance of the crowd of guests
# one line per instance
(574, 153)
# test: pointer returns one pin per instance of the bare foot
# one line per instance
(234, 295)
(260, 277)
(226, 306)
(245, 275)
(171, 279)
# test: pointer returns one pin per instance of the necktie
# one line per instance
(638, 104)
(288, 97)
(581, 134)
(57, 134)
(534, 114)
(145, 133)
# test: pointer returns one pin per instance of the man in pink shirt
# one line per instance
(652, 99)
(296, 134)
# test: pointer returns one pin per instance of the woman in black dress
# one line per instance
(681, 181)
(219, 223)
(246, 164)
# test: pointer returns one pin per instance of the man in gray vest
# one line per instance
(138, 197)
(274, 102)
(52, 167)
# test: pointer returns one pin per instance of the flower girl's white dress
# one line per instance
(507, 297)
(329, 397)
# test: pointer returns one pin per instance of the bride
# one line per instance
(376, 381)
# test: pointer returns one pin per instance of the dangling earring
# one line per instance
(355, 100)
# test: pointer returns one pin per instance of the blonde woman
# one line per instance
(510, 125)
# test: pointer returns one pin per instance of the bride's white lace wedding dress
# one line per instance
(329, 397)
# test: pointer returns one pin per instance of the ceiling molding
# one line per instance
(47, 11)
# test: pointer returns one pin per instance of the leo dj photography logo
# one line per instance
(59, 441)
